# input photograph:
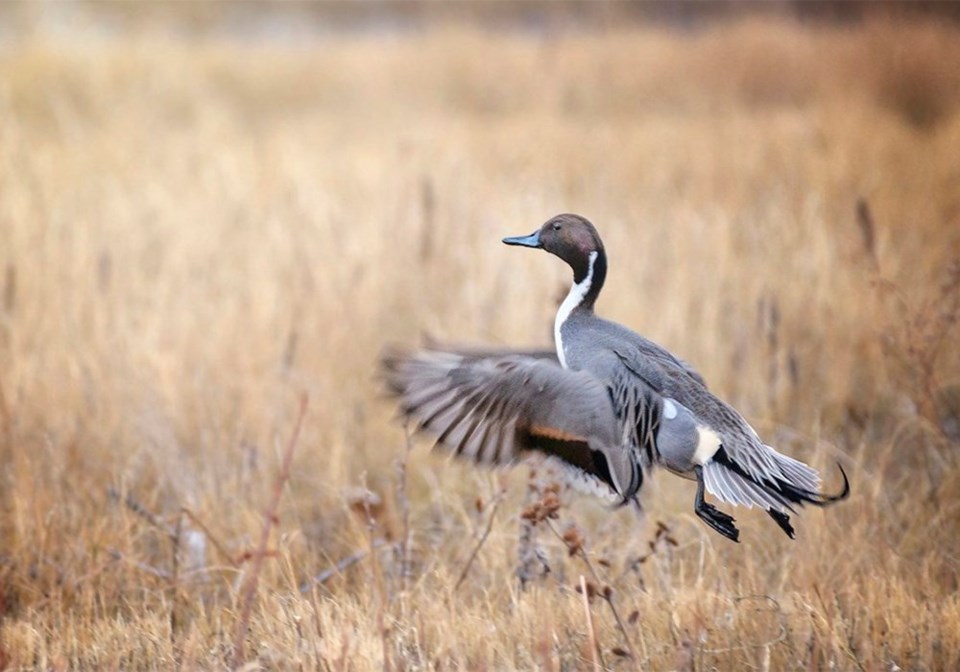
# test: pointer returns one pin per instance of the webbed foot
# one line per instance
(711, 515)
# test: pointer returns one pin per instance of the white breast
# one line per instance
(574, 297)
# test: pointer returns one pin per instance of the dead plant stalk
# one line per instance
(269, 520)
(590, 631)
(607, 595)
(481, 541)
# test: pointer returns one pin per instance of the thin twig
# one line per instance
(381, 589)
(269, 520)
(481, 541)
(590, 631)
(868, 233)
(342, 565)
(312, 594)
(403, 504)
(221, 549)
(606, 594)
(142, 512)
(6, 425)
(529, 553)
(142, 566)
(175, 589)
(766, 644)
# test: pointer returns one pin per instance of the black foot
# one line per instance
(711, 515)
(783, 520)
(718, 520)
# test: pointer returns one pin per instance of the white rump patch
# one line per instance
(574, 298)
(708, 443)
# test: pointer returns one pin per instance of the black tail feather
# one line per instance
(783, 520)
(801, 496)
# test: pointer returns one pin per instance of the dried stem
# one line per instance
(917, 329)
(269, 520)
(221, 549)
(6, 424)
(403, 504)
(605, 593)
(529, 553)
(175, 588)
(342, 565)
(118, 555)
(766, 644)
(868, 233)
(312, 594)
(142, 512)
(594, 651)
(381, 589)
(481, 541)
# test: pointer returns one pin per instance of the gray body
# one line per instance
(611, 351)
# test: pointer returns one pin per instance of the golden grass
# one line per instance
(192, 235)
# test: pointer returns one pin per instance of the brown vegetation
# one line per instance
(194, 235)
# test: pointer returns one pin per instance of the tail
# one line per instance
(781, 487)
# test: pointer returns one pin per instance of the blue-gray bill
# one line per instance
(533, 240)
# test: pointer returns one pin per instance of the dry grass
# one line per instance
(193, 235)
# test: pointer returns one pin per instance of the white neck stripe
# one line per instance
(574, 298)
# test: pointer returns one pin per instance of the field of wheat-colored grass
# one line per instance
(195, 235)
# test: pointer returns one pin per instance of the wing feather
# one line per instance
(484, 405)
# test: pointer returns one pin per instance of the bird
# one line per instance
(608, 405)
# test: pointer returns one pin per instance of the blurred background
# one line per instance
(209, 210)
(264, 18)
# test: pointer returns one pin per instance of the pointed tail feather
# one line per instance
(791, 484)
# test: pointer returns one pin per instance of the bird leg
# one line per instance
(711, 515)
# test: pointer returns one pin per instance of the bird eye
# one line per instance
(556, 226)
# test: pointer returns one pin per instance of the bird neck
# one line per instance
(587, 283)
(587, 287)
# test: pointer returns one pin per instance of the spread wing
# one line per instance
(496, 409)
(472, 352)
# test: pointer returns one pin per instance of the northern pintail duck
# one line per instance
(609, 405)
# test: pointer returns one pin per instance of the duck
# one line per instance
(608, 405)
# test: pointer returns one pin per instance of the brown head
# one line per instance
(573, 239)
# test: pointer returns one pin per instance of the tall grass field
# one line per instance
(205, 245)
